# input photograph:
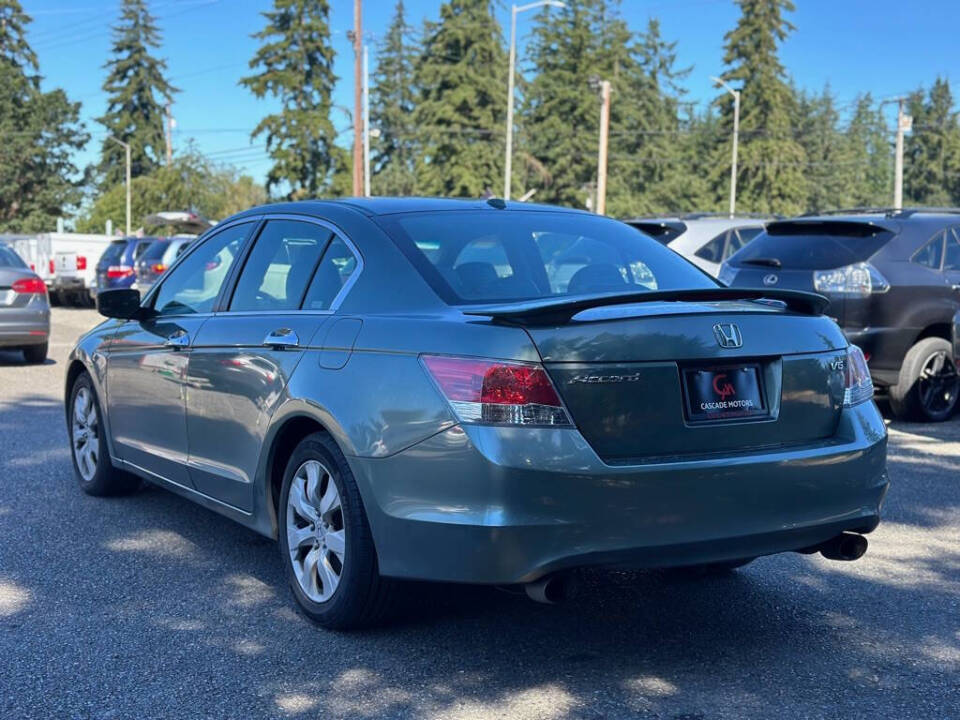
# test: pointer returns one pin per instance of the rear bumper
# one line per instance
(496, 505)
(24, 326)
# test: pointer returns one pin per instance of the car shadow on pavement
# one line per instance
(10, 358)
(151, 605)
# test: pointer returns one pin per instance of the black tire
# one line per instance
(106, 479)
(35, 354)
(919, 395)
(362, 597)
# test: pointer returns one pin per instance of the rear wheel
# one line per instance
(929, 385)
(35, 354)
(325, 540)
(88, 446)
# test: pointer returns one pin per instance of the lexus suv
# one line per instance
(893, 281)
(428, 389)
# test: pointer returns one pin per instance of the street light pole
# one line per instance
(358, 120)
(126, 147)
(602, 153)
(366, 124)
(514, 11)
(736, 137)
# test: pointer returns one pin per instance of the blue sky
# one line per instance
(882, 46)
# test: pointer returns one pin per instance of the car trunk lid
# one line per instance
(651, 381)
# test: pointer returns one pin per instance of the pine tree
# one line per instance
(869, 142)
(392, 103)
(931, 174)
(831, 171)
(40, 132)
(462, 77)
(772, 164)
(295, 64)
(137, 92)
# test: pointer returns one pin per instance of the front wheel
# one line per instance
(325, 541)
(88, 446)
(928, 386)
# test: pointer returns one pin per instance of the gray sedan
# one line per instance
(418, 388)
(24, 308)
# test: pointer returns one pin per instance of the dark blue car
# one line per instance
(117, 265)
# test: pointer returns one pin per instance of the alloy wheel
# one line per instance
(938, 383)
(316, 540)
(86, 444)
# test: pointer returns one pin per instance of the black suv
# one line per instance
(893, 279)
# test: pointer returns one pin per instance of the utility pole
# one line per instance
(904, 124)
(168, 133)
(366, 124)
(126, 147)
(358, 119)
(602, 154)
(736, 138)
(514, 11)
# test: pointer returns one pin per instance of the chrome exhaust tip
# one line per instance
(550, 590)
(845, 546)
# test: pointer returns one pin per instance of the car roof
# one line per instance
(392, 205)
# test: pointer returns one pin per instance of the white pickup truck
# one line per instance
(75, 257)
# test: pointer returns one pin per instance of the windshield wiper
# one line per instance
(765, 262)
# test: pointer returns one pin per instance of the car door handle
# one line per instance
(282, 338)
(178, 340)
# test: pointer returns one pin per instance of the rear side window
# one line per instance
(280, 266)
(814, 245)
(739, 238)
(335, 269)
(951, 256)
(713, 250)
(503, 255)
(155, 251)
(931, 254)
(141, 248)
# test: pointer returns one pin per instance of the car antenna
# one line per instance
(498, 203)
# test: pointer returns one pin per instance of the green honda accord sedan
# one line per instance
(479, 392)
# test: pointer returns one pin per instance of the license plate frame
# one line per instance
(724, 393)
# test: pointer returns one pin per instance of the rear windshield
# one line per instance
(114, 253)
(813, 246)
(8, 258)
(503, 255)
(156, 250)
(662, 232)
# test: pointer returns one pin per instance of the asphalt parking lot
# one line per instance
(149, 606)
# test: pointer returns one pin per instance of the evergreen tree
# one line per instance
(295, 64)
(772, 164)
(137, 93)
(931, 170)
(462, 77)
(831, 171)
(869, 142)
(392, 103)
(40, 132)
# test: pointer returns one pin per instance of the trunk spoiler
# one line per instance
(561, 310)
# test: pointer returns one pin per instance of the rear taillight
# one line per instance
(497, 392)
(158, 268)
(119, 271)
(858, 387)
(29, 286)
(81, 262)
(52, 267)
(857, 279)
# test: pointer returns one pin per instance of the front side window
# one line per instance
(280, 265)
(194, 285)
(502, 255)
(931, 254)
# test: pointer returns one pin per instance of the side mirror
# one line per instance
(123, 304)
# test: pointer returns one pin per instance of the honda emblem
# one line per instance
(728, 335)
